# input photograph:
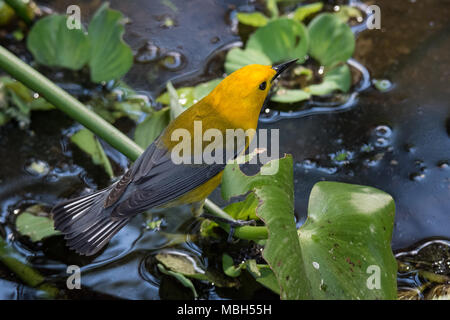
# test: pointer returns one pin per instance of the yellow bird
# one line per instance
(155, 180)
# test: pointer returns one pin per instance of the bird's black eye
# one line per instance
(263, 86)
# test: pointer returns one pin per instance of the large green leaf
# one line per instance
(331, 40)
(53, 44)
(338, 78)
(254, 19)
(346, 240)
(338, 252)
(275, 207)
(280, 40)
(87, 142)
(111, 57)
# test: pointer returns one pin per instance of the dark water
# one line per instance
(398, 141)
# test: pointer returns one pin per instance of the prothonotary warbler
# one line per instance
(155, 179)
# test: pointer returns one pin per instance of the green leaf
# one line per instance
(331, 40)
(284, 95)
(180, 277)
(266, 277)
(254, 19)
(175, 106)
(348, 12)
(33, 226)
(187, 96)
(280, 40)
(111, 57)
(53, 44)
(87, 142)
(149, 129)
(273, 8)
(301, 13)
(275, 207)
(339, 78)
(238, 58)
(346, 236)
(228, 266)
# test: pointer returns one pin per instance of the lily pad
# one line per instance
(331, 40)
(346, 243)
(110, 57)
(53, 44)
(87, 142)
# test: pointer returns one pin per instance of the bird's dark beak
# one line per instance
(281, 67)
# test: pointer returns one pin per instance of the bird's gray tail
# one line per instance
(86, 224)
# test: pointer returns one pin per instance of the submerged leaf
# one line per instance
(53, 44)
(331, 40)
(111, 57)
(33, 226)
(87, 142)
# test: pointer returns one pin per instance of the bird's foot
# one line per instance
(231, 222)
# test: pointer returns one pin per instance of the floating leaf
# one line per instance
(228, 266)
(339, 78)
(180, 277)
(331, 40)
(301, 13)
(53, 44)
(281, 40)
(346, 242)
(238, 58)
(254, 19)
(290, 95)
(175, 106)
(149, 129)
(348, 12)
(110, 57)
(33, 226)
(87, 142)
(273, 8)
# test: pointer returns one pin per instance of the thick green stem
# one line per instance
(22, 10)
(28, 275)
(76, 110)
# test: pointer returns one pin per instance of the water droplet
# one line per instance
(316, 265)
(173, 61)
(383, 131)
(147, 53)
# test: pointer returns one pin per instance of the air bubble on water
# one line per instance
(147, 53)
(383, 131)
(443, 165)
(173, 61)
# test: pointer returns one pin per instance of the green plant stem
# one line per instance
(76, 110)
(21, 9)
(15, 262)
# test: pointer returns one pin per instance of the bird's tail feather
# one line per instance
(85, 223)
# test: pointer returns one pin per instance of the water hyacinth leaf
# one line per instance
(275, 207)
(87, 142)
(149, 129)
(34, 226)
(272, 6)
(110, 57)
(301, 13)
(175, 106)
(181, 263)
(266, 277)
(228, 266)
(331, 40)
(238, 58)
(187, 96)
(339, 78)
(254, 19)
(281, 40)
(53, 44)
(348, 12)
(290, 95)
(346, 240)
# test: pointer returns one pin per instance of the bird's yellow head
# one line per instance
(241, 95)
